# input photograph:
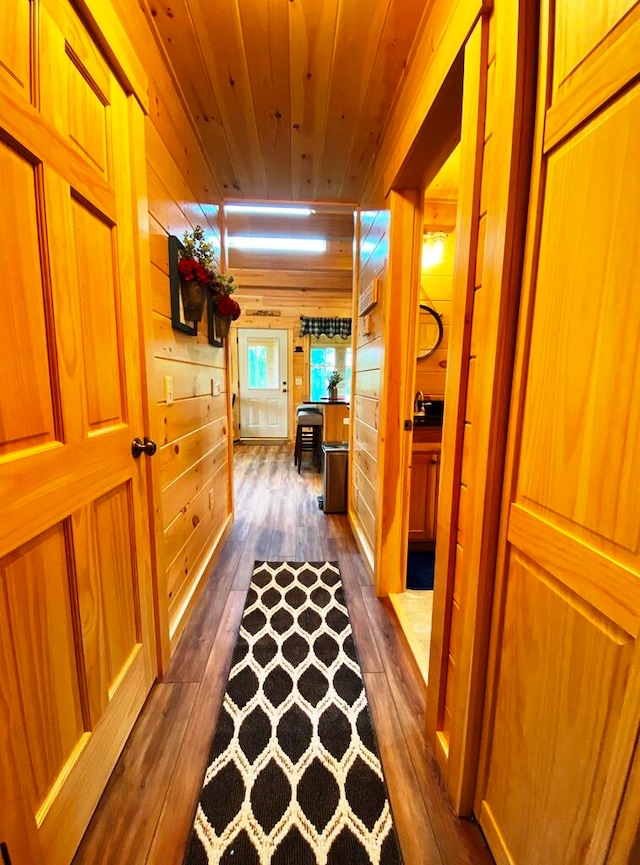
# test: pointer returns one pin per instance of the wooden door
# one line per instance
(264, 398)
(77, 655)
(423, 505)
(564, 692)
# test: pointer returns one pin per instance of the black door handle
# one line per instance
(143, 446)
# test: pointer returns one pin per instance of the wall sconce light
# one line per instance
(433, 248)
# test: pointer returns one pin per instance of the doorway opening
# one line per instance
(428, 370)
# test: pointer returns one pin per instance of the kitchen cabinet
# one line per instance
(425, 473)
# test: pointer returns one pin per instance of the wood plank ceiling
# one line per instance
(290, 97)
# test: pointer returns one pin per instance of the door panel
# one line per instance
(584, 357)
(26, 411)
(96, 251)
(565, 670)
(37, 581)
(79, 657)
(563, 718)
(15, 45)
(263, 367)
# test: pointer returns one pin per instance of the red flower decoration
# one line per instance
(192, 271)
(228, 306)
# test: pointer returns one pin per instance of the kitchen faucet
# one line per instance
(420, 404)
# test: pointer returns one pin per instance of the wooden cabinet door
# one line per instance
(423, 507)
(564, 690)
(77, 655)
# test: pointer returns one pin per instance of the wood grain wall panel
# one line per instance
(280, 278)
(365, 517)
(118, 577)
(15, 45)
(366, 489)
(596, 411)
(368, 383)
(26, 410)
(163, 207)
(175, 458)
(161, 298)
(578, 29)
(189, 521)
(366, 410)
(189, 484)
(197, 508)
(36, 580)
(189, 380)
(169, 343)
(368, 361)
(366, 438)
(370, 356)
(366, 463)
(581, 687)
(100, 311)
(374, 227)
(180, 572)
(187, 415)
(373, 261)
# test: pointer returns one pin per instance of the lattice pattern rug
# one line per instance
(294, 776)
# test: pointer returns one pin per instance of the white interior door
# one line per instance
(264, 398)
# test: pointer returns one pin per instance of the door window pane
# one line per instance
(263, 356)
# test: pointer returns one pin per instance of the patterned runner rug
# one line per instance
(294, 776)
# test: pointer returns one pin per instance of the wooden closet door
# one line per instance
(77, 655)
(564, 693)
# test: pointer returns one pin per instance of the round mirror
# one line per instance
(429, 331)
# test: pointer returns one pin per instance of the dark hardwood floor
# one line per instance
(147, 808)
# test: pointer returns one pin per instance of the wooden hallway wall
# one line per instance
(191, 472)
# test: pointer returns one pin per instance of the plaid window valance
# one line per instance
(325, 326)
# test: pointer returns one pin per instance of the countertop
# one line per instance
(325, 401)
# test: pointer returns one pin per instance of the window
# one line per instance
(263, 363)
(325, 356)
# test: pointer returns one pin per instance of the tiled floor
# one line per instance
(418, 608)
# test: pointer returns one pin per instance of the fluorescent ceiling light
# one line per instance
(278, 244)
(268, 209)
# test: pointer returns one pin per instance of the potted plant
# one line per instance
(195, 268)
(333, 380)
(198, 274)
(226, 309)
